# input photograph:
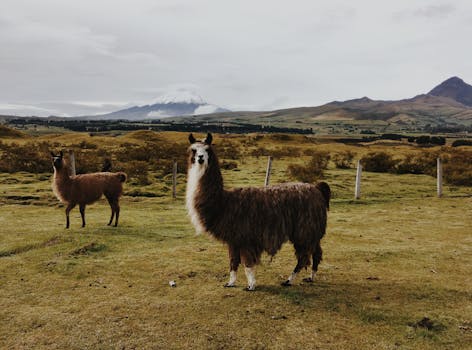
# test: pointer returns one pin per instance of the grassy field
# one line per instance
(395, 257)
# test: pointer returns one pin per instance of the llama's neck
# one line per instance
(61, 183)
(204, 195)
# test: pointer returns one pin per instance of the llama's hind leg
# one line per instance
(115, 209)
(117, 213)
(112, 215)
(317, 257)
(234, 261)
(112, 206)
(82, 213)
(69, 207)
(251, 277)
(303, 260)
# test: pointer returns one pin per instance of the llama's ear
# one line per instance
(208, 139)
(62, 154)
(52, 154)
(191, 139)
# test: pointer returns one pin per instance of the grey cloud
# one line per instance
(242, 54)
(435, 11)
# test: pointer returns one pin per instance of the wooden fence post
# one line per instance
(269, 167)
(439, 177)
(72, 162)
(174, 180)
(357, 191)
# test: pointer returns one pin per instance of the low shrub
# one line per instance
(343, 160)
(457, 169)
(137, 171)
(227, 165)
(380, 162)
(313, 171)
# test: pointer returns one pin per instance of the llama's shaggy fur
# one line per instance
(255, 220)
(86, 188)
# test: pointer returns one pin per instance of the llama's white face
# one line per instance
(199, 154)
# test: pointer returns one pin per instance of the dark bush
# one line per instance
(457, 169)
(458, 143)
(30, 157)
(410, 165)
(281, 137)
(395, 137)
(226, 165)
(430, 140)
(137, 171)
(87, 161)
(438, 140)
(379, 162)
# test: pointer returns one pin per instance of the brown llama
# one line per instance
(86, 188)
(255, 220)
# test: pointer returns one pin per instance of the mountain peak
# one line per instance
(180, 96)
(456, 89)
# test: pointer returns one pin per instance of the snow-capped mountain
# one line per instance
(174, 104)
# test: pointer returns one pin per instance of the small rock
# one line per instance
(282, 317)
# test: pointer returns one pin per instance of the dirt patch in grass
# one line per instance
(428, 324)
(88, 248)
(50, 242)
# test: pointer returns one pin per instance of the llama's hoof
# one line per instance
(287, 283)
(308, 280)
(227, 285)
(250, 289)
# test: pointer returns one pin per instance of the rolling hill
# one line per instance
(445, 106)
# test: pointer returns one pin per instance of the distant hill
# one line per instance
(445, 105)
(9, 132)
(456, 89)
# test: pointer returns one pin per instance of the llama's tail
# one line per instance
(323, 187)
(122, 176)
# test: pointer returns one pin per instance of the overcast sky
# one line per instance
(79, 57)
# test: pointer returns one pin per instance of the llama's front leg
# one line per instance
(69, 207)
(82, 213)
(234, 261)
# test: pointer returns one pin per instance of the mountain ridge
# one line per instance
(440, 108)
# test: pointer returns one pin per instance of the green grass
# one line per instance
(396, 256)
